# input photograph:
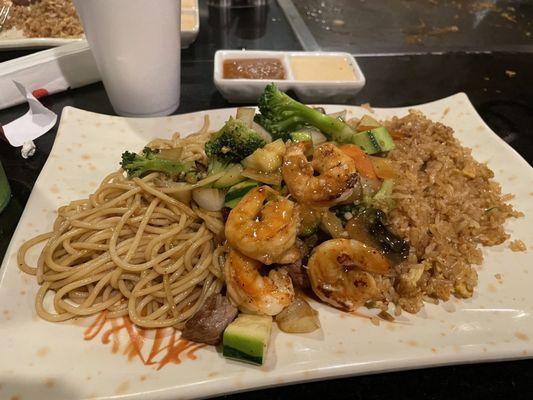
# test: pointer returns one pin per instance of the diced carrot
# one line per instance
(396, 135)
(383, 167)
(362, 161)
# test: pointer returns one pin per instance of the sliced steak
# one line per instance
(298, 274)
(210, 321)
(297, 270)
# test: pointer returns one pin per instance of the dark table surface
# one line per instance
(419, 26)
(504, 102)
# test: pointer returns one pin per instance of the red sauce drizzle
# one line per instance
(96, 326)
(160, 351)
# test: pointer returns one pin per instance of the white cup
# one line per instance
(136, 45)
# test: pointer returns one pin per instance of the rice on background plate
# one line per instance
(42, 19)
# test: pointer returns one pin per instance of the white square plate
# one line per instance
(53, 361)
(15, 39)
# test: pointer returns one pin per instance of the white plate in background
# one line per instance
(52, 361)
(16, 39)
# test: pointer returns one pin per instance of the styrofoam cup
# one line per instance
(136, 45)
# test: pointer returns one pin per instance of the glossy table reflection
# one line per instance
(505, 103)
(419, 26)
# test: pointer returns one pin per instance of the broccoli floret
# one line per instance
(301, 136)
(281, 115)
(234, 142)
(215, 166)
(137, 165)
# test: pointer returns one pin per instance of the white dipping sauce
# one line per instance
(322, 68)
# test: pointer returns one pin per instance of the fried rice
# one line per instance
(45, 19)
(447, 207)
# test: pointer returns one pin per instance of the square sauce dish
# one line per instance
(241, 75)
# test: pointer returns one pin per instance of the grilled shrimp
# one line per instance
(263, 226)
(339, 272)
(252, 292)
(336, 174)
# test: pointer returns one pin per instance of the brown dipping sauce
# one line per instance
(253, 68)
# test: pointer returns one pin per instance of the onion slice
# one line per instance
(332, 225)
(298, 317)
(183, 196)
(339, 115)
(273, 178)
(318, 137)
(262, 132)
(209, 199)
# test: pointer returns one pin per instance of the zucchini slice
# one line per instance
(374, 141)
(246, 338)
